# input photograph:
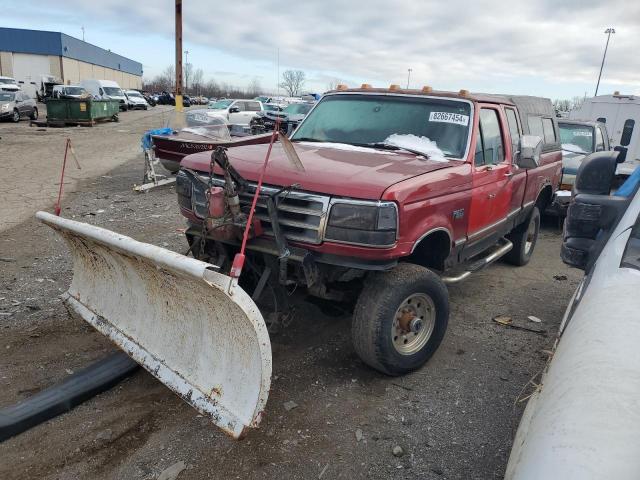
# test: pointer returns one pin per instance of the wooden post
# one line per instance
(178, 94)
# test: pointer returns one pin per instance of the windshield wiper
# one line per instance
(306, 139)
(390, 146)
(574, 151)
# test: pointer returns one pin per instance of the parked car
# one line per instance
(235, 112)
(289, 117)
(620, 113)
(582, 420)
(578, 139)
(8, 84)
(106, 90)
(399, 193)
(17, 105)
(135, 100)
(69, 91)
(186, 101)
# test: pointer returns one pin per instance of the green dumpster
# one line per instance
(81, 110)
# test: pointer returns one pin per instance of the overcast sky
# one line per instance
(538, 47)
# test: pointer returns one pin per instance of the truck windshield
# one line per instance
(9, 81)
(371, 119)
(576, 138)
(220, 104)
(113, 91)
(298, 108)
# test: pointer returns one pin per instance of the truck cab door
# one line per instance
(492, 170)
(236, 117)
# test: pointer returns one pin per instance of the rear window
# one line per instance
(549, 132)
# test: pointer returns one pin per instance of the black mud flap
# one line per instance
(62, 397)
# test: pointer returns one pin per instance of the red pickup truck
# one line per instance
(402, 192)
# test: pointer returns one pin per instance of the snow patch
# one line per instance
(344, 146)
(423, 145)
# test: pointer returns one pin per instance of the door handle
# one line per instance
(492, 195)
(508, 174)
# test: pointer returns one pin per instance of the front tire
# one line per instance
(524, 238)
(400, 319)
(16, 116)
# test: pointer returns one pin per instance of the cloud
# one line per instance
(450, 44)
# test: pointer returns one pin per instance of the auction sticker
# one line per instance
(448, 117)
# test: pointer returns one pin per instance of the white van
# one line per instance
(105, 90)
(621, 114)
(8, 84)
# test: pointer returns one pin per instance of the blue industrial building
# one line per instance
(28, 55)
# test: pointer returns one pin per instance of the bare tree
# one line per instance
(188, 68)
(254, 89)
(196, 81)
(333, 83)
(292, 81)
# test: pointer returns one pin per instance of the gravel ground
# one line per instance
(453, 419)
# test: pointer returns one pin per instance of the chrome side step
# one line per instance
(502, 248)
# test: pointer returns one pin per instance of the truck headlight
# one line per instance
(5, 106)
(363, 223)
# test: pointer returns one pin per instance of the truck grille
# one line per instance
(301, 215)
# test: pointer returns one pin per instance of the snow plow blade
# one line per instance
(191, 327)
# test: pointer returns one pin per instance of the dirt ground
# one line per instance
(454, 419)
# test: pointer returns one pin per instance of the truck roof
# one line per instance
(525, 103)
(590, 123)
(427, 92)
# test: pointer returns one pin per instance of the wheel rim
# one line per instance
(413, 323)
(35, 113)
(531, 237)
(16, 116)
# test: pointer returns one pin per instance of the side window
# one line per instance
(512, 121)
(492, 146)
(535, 126)
(101, 91)
(602, 120)
(253, 106)
(549, 132)
(627, 131)
(599, 140)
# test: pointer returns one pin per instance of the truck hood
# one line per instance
(330, 168)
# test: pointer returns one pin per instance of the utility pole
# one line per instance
(178, 95)
(186, 72)
(408, 77)
(82, 28)
(608, 31)
(278, 74)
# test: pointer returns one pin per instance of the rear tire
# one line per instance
(400, 319)
(524, 238)
(34, 114)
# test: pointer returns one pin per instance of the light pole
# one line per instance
(82, 28)
(608, 31)
(178, 72)
(186, 71)
(408, 77)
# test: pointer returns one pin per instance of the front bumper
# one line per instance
(6, 114)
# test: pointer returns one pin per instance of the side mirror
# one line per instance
(622, 153)
(530, 149)
(234, 110)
